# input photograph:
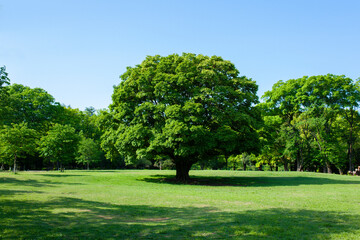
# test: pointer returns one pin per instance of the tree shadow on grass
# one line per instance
(63, 175)
(71, 218)
(33, 182)
(244, 181)
(5, 192)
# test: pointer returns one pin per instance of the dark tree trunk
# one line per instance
(350, 154)
(182, 171)
(328, 167)
(286, 168)
(88, 167)
(300, 161)
(277, 168)
(350, 119)
(244, 166)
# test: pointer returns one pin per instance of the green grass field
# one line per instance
(145, 204)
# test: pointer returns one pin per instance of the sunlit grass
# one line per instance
(146, 204)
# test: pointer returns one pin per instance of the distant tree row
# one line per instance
(36, 132)
(187, 111)
(312, 124)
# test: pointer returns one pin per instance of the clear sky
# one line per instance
(76, 49)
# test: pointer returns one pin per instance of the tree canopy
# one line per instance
(34, 106)
(59, 145)
(4, 81)
(315, 111)
(16, 141)
(186, 108)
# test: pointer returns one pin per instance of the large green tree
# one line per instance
(187, 107)
(16, 141)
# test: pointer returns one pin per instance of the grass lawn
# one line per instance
(144, 204)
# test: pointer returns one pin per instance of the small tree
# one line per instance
(17, 141)
(88, 152)
(60, 144)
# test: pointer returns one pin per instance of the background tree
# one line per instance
(33, 106)
(186, 107)
(17, 141)
(59, 145)
(88, 152)
(310, 108)
(107, 125)
(4, 81)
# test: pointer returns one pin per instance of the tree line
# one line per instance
(187, 111)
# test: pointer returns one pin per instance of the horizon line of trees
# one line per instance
(305, 124)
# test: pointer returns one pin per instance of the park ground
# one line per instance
(148, 204)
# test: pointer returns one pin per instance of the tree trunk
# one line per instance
(244, 166)
(286, 169)
(88, 167)
(350, 153)
(328, 167)
(285, 164)
(182, 171)
(15, 163)
(300, 162)
(350, 120)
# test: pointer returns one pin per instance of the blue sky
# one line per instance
(76, 49)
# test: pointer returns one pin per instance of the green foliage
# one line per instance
(81, 121)
(107, 125)
(312, 109)
(88, 151)
(16, 141)
(33, 106)
(4, 81)
(59, 145)
(186, 107)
